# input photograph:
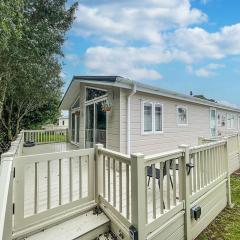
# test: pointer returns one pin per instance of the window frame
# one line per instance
(95, 99)
(154, 118)
(182, 124)
(153, 104)
(234, 115)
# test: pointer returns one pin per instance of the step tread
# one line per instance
(72, 228)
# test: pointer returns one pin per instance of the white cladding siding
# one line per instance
(173, 135)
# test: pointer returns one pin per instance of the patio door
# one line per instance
(96, 123)
(213, 122)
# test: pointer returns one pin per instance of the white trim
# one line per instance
(142, 118)
(75, 109)
(93, 102)
(153, 118)
(129, 119)
(235, 121)
(181, 124)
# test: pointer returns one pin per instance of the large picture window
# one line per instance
(182, 115)
(152, 118)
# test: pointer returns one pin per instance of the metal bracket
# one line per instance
(189, 167)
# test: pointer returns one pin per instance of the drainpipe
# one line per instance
(134, 90)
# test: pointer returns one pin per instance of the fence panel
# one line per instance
(114, 182)
(48, 185)
(46, 136)
(164, 192)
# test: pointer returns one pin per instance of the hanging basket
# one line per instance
(77, 113)
(106, 106)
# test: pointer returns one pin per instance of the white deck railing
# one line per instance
(138, 190)
(46, 136)
(51, 185)
(6, 188)
(114, 182)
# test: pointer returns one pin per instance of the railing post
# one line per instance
(186, 191)
(6, 198)
(138, 194)
(98, 172)
(229, 198)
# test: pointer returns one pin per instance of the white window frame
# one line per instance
(216, 123)
(181, 124)
(234, 121)
(153, 118)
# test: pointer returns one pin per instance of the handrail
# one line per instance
(162, 157)
(206, 146)
(113, 154)
(6, 188)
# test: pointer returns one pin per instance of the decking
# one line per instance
(54, 184)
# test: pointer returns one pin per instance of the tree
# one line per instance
(11, 22)
(36, 68)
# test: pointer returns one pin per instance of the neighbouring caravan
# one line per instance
(129, 117)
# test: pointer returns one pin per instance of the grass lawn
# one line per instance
(227, 225)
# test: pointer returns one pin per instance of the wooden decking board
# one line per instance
(72, 229)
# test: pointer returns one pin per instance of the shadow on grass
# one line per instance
(227, 224)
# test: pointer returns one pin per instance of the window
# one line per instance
(182, 116)
(158, 117)
(148, 115)
(63, 123)
(92, 93)
(231, 121)
(152, 117)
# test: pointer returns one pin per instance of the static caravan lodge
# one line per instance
(128, 116)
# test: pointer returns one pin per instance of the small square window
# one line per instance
(182, 116)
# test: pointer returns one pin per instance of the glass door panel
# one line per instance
(100, 124)
(73, 128)
(77, 127)
(89, 126)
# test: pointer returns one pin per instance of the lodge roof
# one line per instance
(118, 81)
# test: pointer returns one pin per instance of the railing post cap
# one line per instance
(99, 145)
(184, 146)
(137, 155)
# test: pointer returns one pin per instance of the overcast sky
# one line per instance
(182, 45)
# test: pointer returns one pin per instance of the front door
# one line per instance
(95, 127)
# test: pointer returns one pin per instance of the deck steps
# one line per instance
(84, 227)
